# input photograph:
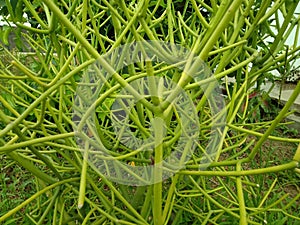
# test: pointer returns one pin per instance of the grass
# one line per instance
(16, 185)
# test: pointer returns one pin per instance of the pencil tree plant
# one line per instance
(189, 51)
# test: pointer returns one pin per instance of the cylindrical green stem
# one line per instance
(158, 125)
(239, 187)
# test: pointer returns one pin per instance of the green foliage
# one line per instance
(246, 181)
(261, 107)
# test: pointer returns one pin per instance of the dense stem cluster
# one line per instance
(39, 94)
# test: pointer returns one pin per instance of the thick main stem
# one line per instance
(158, 173)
